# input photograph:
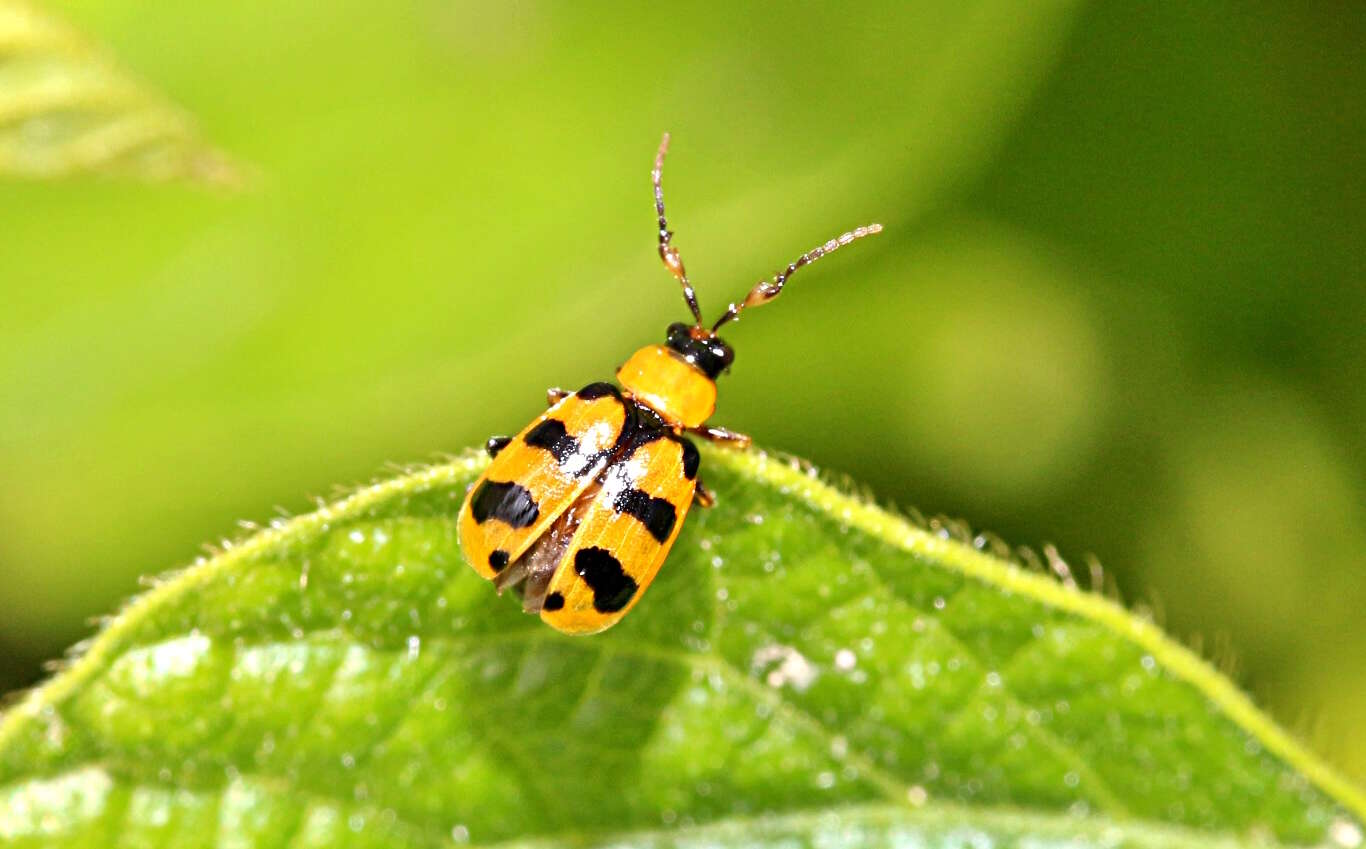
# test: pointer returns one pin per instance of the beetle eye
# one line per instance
(677, 334)
(722, 352)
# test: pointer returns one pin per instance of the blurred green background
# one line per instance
(1119, 304)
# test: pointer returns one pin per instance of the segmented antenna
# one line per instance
(767, 290)
(667, 252)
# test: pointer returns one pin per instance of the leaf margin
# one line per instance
(818, 491)
(789, 476)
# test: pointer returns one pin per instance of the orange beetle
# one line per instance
(578, 511)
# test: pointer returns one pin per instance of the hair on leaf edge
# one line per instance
(957, 529)
(1138, 624)
(1231, 700)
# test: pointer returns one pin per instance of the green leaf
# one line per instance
(808, 670)
(66, 108)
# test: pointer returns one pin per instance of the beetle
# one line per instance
(578, 511)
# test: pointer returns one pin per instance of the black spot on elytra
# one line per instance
(553, 601)
(507, 502)
(496, 444)
(656, 514)
(612, 588)
(691, 459)
(551, 436)
(598, 390)
(498, 560)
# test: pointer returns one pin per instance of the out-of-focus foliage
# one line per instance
(1118, 303)
(343, 679)
(67, 109)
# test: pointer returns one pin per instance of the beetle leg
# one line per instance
(703, 496)
(555, 395)
(496, 444)
(720, 434)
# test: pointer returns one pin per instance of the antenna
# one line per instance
(767, 290)
(667, 252)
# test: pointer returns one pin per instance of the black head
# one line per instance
(700, 347)
(706, 351)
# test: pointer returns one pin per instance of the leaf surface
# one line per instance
(808, 670)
